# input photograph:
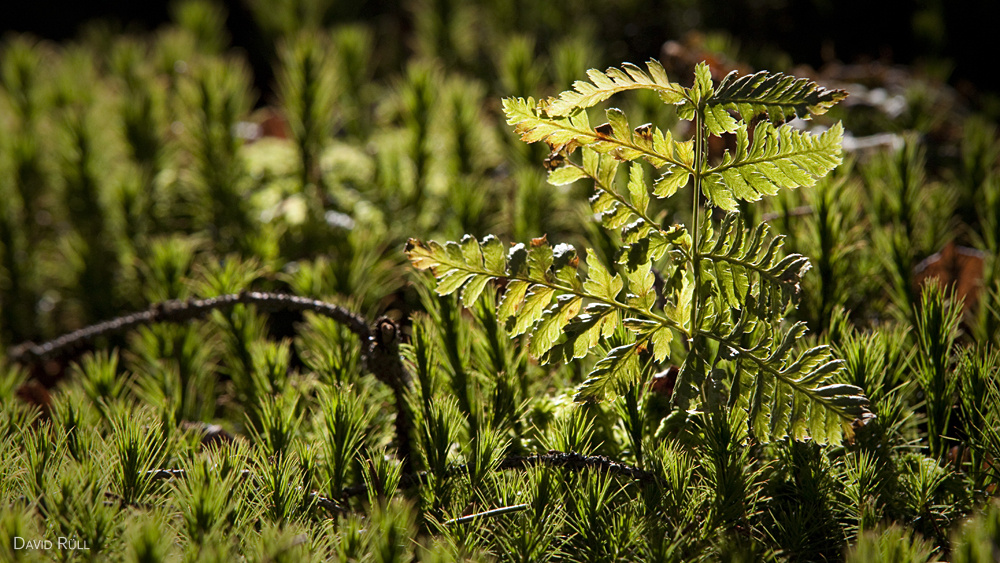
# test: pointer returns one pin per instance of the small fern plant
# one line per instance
(724, 289)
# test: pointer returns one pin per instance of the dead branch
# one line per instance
(176, 312)
(566, 460)
(379, 343)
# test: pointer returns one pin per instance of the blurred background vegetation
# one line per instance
(954, 36)
(313, 136)
(200, 148)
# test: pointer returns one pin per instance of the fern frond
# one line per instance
(605, 84)
(564, 134)
(613, 372)
(724, 292)
(776, 158)
(584, 332)
(742, 263)
(616, 209)
(620, 369)
(690, 376)
(788, 393)
(644, 240)
(780, 96)
(545, 293)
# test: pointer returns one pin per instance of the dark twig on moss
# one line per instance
(176, 311)
(572, 460)
(379, 344)
(566, 460)
(381, 358)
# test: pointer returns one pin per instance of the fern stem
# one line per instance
(640, 313)
(179, 312)
(620, 199)
(590, 136)
(699, 165)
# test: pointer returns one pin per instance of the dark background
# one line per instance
(957, 34)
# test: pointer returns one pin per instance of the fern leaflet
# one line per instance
(784, 392)
(793, 394)
(565, 134)
(544, 298)
(605, 84)
(776, 158)
(779, 96)
(741, 263)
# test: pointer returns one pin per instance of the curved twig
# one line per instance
(176, 311)
(575, 461)
(566, 460)
(379, 344)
